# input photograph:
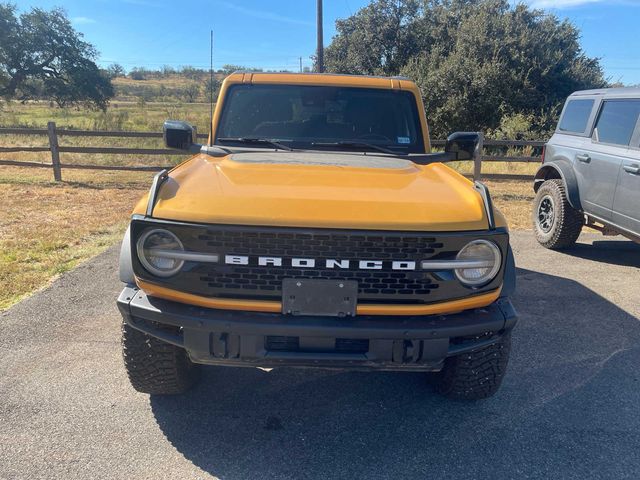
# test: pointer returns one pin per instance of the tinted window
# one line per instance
(301, 116)
(617, 122)
(576, 115)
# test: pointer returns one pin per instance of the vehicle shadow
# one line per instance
(615, 252)
(567, 409)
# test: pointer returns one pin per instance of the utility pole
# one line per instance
(320, 47)
(300, 64)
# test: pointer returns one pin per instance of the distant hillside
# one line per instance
(188, 84)
(175, 87)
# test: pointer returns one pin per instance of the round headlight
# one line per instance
(483, 259)
(155, 248)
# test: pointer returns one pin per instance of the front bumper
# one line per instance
(226, 337)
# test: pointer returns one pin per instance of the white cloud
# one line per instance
(264, 14)
(82, 20)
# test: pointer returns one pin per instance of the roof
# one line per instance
(323, 79)
(306, 74)
(610, 92)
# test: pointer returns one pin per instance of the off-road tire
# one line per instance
(154, 366)
(567, 222)
(475, 375)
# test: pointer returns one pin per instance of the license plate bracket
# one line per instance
(314, 297)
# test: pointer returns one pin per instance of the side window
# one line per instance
(576, 115)
(617, 121)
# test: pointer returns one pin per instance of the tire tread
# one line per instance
(156, 367)
(476, 375)
(568, 221)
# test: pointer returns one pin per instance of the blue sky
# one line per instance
(275, 33)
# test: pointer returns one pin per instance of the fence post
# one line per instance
(477, 160)
(55, 153)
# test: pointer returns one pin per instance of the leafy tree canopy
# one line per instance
(116, 70)
(477, 62)
(229, 68)
(41, 54)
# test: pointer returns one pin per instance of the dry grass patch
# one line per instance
(121, 115)
(499, 168)
(514, 199)
(47, 228)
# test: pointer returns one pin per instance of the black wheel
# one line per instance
(556, 223)
(154, 366)
(475, 375)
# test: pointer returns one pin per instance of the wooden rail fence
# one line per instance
(56, 165)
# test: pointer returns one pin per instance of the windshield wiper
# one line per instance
(357, 145)
(256, 141)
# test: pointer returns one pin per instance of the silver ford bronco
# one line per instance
(591, 169)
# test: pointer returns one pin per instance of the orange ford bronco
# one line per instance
(316, 229)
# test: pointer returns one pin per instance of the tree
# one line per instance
(42, 48)
(138, 73)
(191, 73)
(209, 85)
(476, 61)
(229, 69)
(377, 40)
(167, 70)
(191, 92)
(116, 70)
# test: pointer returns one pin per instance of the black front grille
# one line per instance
(256, 282)
(321, 245)
(232, 281)
(266, 282)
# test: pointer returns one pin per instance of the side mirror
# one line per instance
(467, 146)
(464, 145)
(180, 135)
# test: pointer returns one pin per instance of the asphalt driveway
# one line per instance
(569, 407)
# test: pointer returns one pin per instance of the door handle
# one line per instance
(632, 169)
(584, 158)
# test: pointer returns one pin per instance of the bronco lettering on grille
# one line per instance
(332, 263)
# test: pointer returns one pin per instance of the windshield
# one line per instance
(317, 117)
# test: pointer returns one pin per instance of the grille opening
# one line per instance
(263, 282)
(352, 345)
(275, 343)
(266, 283)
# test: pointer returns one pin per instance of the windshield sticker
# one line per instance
(404, 140)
